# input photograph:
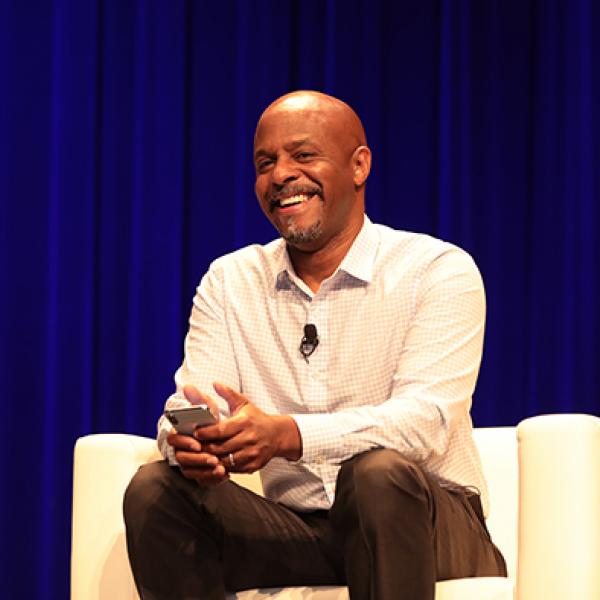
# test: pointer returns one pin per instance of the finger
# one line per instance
(183, 442)
(234, 399)
(229, 462)
(223, 446)
(205, 468)
(207, 477)
(221, 432)
(238, 462)
(195, 396)
(196, 460)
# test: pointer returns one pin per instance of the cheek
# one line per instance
(262, 183)
(260, 195)
(259, 190)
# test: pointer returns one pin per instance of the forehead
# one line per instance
(283, 126)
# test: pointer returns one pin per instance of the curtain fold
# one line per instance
(125, 168)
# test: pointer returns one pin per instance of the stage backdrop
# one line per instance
(125, 168)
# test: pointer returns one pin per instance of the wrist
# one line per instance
(289, 438)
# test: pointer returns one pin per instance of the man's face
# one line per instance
(304, 176)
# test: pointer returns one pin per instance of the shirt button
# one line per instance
(320, 459)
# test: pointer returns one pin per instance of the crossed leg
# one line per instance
(391, 533)
(189, 543)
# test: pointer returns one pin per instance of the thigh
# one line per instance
(462, 543)
(260, 543)
(409, 515)
(266, 544)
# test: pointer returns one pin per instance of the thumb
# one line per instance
(234, 399)
(195, 396)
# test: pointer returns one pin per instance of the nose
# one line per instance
(284, 171)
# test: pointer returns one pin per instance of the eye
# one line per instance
(263, 164)
(304, 156)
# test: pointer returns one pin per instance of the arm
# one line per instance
(208, 356)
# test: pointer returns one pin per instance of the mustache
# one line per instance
(293, 190)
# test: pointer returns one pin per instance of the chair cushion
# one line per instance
(476, 588)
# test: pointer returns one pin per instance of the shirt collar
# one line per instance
(358, 263)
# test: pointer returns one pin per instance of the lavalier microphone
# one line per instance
(310, 341)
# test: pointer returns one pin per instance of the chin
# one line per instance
(299, 237)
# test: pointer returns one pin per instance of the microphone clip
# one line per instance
(310, 341)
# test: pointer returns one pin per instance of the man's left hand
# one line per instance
(250, 436)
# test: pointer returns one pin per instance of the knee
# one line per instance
(145, 489)
(379, 483)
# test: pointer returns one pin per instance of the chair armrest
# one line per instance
(103, 466)
(559, 500)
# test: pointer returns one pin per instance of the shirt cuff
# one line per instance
(322, 438)
(164, 428)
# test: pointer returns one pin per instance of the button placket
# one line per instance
(317, 366)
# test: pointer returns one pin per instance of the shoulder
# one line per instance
(416, 250)
(437, 280)
(256, 264)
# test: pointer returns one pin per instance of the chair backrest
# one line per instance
(499, 456)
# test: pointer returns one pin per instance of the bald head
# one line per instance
(312, 162)
(334, 113)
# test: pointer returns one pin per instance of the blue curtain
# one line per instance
(125, 168)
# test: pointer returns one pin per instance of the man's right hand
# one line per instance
(204, 467)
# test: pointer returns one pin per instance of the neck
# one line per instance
(313, 267)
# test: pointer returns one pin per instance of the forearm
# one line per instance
(418, 428)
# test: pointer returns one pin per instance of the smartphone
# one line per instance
(185, 420)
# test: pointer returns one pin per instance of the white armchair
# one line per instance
(544, 480)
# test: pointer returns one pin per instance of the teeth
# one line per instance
(293, 200)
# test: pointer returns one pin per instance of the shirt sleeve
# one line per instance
(434, 380)
(209, 355)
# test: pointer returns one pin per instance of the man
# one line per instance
(360, 424)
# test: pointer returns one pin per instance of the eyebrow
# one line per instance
(261, 152)
(296, 144)
(288, 147)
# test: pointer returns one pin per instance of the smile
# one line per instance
(296, 199)
(292, 200)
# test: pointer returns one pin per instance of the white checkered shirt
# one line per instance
(400, 327)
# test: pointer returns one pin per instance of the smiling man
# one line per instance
(310, 148)
(340, 360)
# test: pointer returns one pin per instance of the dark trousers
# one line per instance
(390, 534)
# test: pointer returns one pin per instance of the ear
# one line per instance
(361, 165)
